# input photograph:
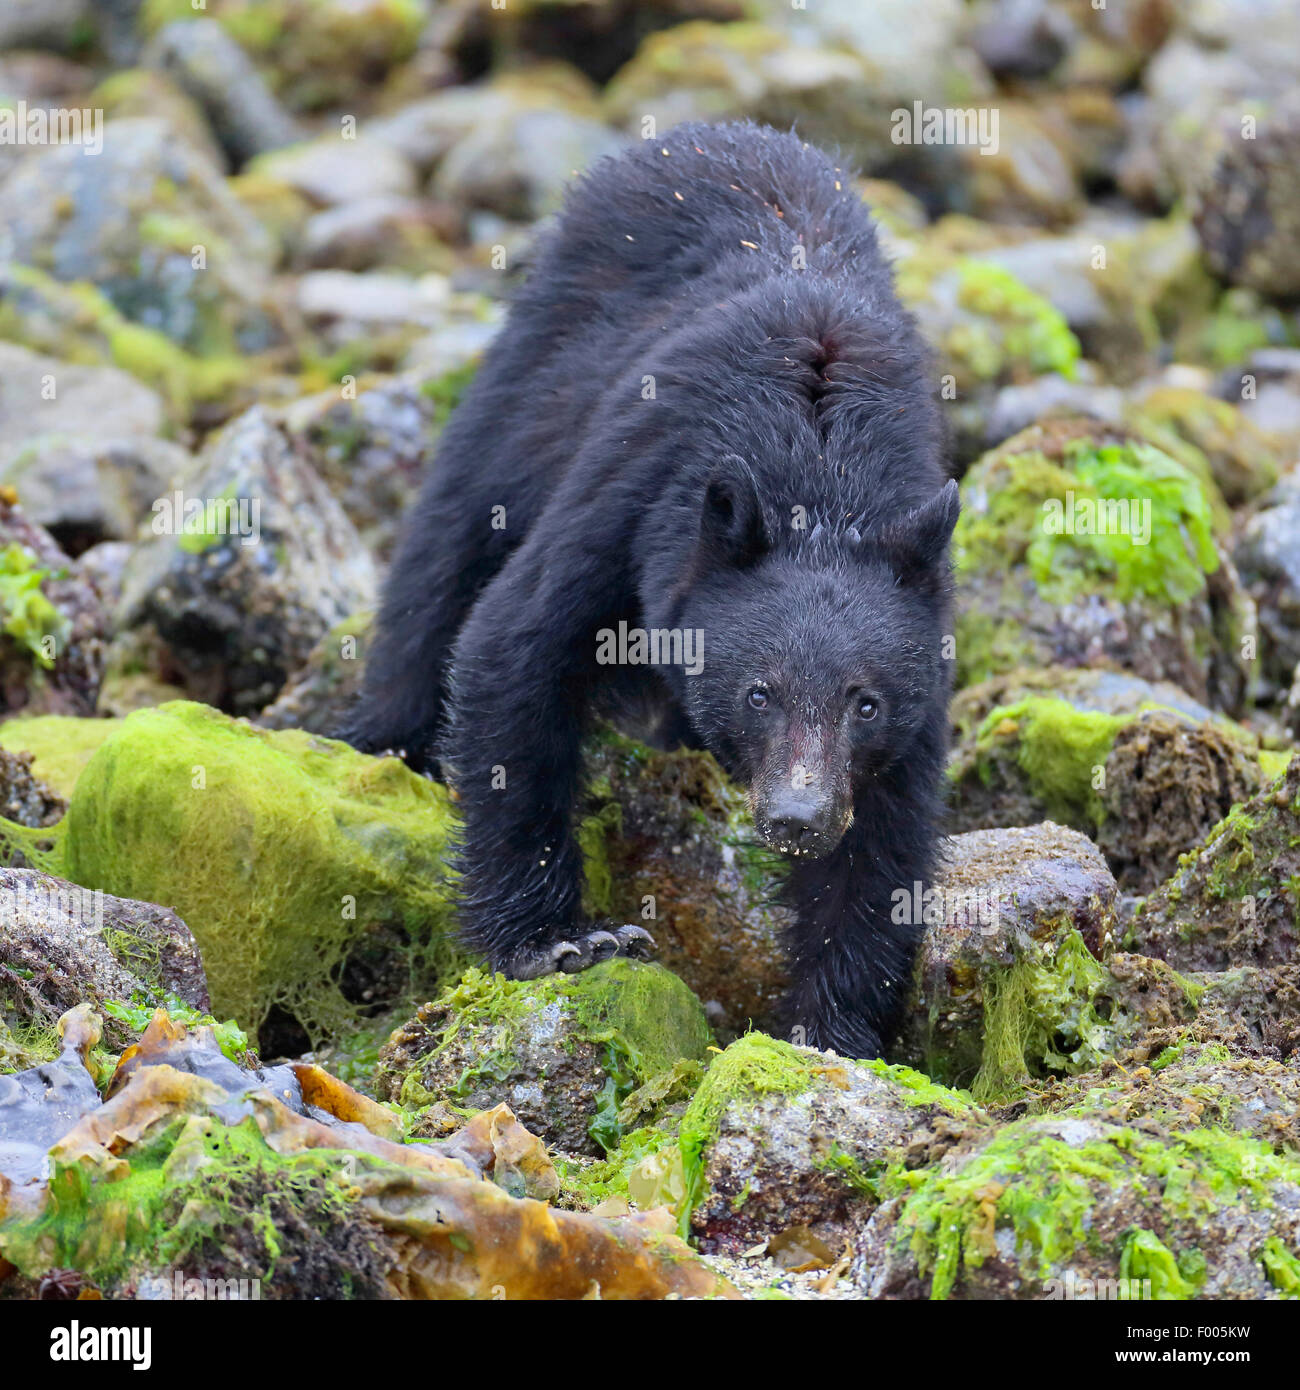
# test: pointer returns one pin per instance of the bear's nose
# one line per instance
(796, 823)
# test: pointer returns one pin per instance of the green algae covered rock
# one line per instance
(1015, 979)
(1139, 766)
(312, 876)
(564, 1052)
(1049, 1207)
(1190, 1085)
(1236, 900)
(1081, 547)
(787, 1142)
(60, 745)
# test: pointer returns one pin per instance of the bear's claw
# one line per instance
(577, 953)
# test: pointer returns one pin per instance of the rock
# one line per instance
(1246, 202)
(373, 450)
(1267, 556)
(87, 489)
(332, 171)
(787, 1145)
(144, 93)
(838, 69)
(251, 562)
(1064, 1206)
(1188, 1086)
(210, 66)
(62, 945)
(1022, 38)
(1015, 978)
(1227, 58)
(1240, 457)
(55, 24)
(1142, 769)
(1016, 408)
(519, 163)
(128, 222)
(345, 906)
(316, 54)
(52, 625)
(1236, 900)
(1028, 176)
(1272, 402)
(1253, 1009)
(371, 298)
(563, 1051)
(1154, 593)
(424, 132)
(23, 798)
(1116, 279)
(668, 844)
(320, 694)
(78, 445)
(986, 329)
(40, 396)
(78, 322)
(387, 231)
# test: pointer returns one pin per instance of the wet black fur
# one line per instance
(777, 387)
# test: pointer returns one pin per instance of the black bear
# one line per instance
(703, 460)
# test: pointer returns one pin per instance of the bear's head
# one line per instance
(823, 654)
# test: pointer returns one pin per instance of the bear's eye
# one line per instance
(757, 698)
(867, 709)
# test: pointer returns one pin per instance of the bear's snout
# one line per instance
(800, 822)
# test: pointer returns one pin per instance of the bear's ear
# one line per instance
(915, 544)
(731, 523)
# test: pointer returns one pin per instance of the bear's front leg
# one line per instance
(521, 675)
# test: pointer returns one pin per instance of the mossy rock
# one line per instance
(1081, 547)
(76, 322)
(320, 694)
(1235, 901)
(53, 626)
(315, 53)
(1207, 434)
(1053, 1206)
(669, 844)
(563, 1052)
(313, 877)
(60, 746)
(132, 223)
(1186, 1085)
(1143, 769)
(782, 1140)
(1015, 980)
